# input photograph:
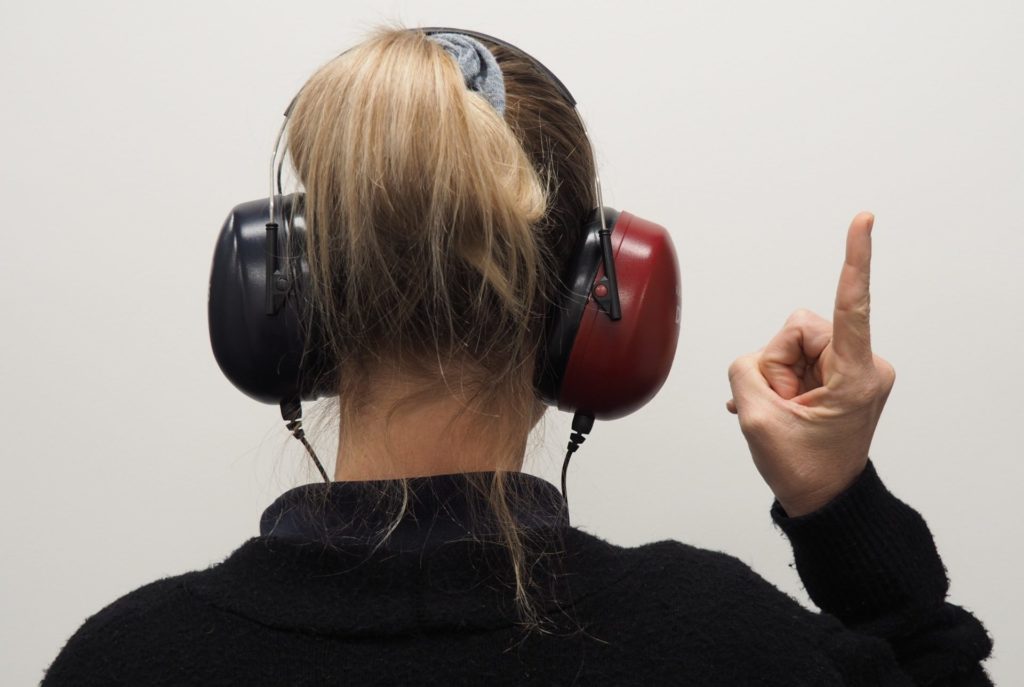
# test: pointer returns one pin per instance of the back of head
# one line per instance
(436, 227)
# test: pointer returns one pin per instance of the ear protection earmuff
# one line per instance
(610, 338)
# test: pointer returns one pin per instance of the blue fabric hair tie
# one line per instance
(479, 69)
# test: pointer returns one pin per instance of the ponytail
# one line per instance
(421, 204)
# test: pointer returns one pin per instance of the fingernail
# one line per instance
(871, 223)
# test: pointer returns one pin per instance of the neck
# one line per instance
(431, 437)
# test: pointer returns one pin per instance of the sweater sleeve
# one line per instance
(869, 559)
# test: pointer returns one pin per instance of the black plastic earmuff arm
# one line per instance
(610, 301)
(276, 281)
(271, 250)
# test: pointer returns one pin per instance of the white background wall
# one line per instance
(754, 131)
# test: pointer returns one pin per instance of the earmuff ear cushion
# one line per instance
(567, 308)
(615, 367)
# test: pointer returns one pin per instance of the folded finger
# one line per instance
(802, 339)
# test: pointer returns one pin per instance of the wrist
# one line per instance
(809, 499)
(865, 554)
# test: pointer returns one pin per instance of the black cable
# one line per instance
(295, 427)
(279, 167)
(291, 411)
(582, 423)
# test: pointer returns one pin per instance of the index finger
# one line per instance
(851, 330)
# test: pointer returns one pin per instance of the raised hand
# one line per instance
(808, 402)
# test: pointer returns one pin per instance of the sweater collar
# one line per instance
(438, 509)
(441, 570)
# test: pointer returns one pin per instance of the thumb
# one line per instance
(747, 382)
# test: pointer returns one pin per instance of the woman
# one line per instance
(439, 217)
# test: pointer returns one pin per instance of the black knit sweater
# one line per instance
(315, 604)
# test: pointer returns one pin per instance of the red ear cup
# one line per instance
(615, 367)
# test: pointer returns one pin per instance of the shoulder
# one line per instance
(678, 597)
(671, 559)
(672, 574)
(111, 644)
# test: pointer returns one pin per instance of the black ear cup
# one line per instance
(265, 355)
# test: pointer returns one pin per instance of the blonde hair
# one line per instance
(436, 232)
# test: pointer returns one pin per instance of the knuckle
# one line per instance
(807, 320)
(887, 372)
(754, 421)
(799, 316)
(874, 386)
(865, 394)
(861, 309)
(740, 365)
